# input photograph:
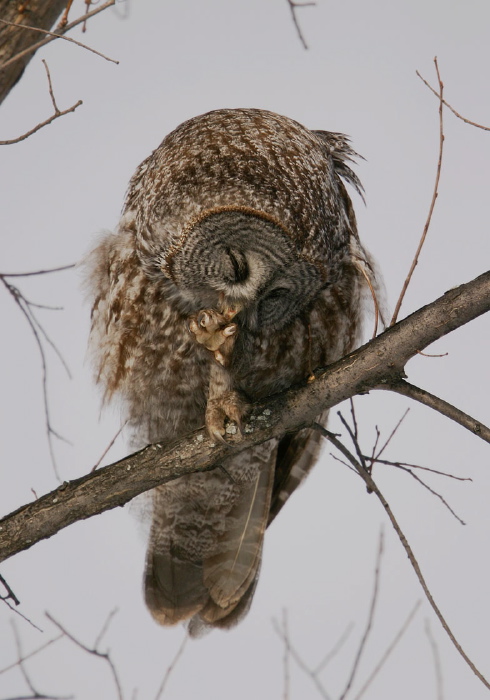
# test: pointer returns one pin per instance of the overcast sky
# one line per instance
(64, 185)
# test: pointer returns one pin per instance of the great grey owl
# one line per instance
(236, 270)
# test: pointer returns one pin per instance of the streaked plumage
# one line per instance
(240, 214)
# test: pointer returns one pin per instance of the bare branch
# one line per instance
(31, 654)
(373, 488)
(376, 365)
(437, 661)
(335, 649)
(97, 464)
(20, 663)
(38, 272)
(311, 673)
(171, 667)
(105, 627)
(439, 405)
(38, 331)
(10, 594)
(92, 650)
(388, 651)
(55, 35)
(370, 619)
(56, 115)
(293, 6)
(432, 204)
(457, 114)
(287, 653)
(35, 47)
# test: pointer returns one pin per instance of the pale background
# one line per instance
(66, 183)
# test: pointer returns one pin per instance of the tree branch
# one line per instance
(378, 364)
(447, 409)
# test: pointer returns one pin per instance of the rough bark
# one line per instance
(377, 365)
(35, 13)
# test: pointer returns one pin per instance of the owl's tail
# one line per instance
(206, 542)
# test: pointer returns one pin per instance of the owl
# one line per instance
(235, 271)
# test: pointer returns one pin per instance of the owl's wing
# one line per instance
(297, 453)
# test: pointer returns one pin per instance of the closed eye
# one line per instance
(240, 265)
(278, 292)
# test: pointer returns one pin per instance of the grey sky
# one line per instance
(65, 184)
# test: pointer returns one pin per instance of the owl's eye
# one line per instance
(278, 293)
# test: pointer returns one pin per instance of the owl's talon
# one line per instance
(229, 406)
(214, 330)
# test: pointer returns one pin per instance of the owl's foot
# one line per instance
(227, 407)
(214, 330)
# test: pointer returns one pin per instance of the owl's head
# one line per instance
(251, 261)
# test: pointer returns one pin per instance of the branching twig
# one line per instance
(35, 47)
(10, 594)
(439, 405)
(457, 114)
(432, 204)
(293, 6)
(370, 620)
(31, 654)
(312, 673)
(29, 683)
(56, 35)
(92, 650)
(57, 113)
(374, 365)
(38, 331)
(387, 652)
(373, 488)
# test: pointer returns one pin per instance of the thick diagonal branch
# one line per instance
(379, 363)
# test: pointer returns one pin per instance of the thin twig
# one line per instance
(28, 315)
(171, 667)
(387, 652)
(434, 493)
(105, 627)
(417, 394)
(391, 463)
(335, 649)
(57, 113)
(293, 6)
(432, 204)
(35, 47)
(55, 35)
(38, 272)
(10, 594)
(31, 654)
(108, 447)
(95, 652)
(391, 435)
(373, 488)
(370, 619)
(303, 666)
(287, 653)
(437, 661)
(23, 670)
(457, 114)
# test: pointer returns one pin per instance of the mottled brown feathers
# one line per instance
(235, 271)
